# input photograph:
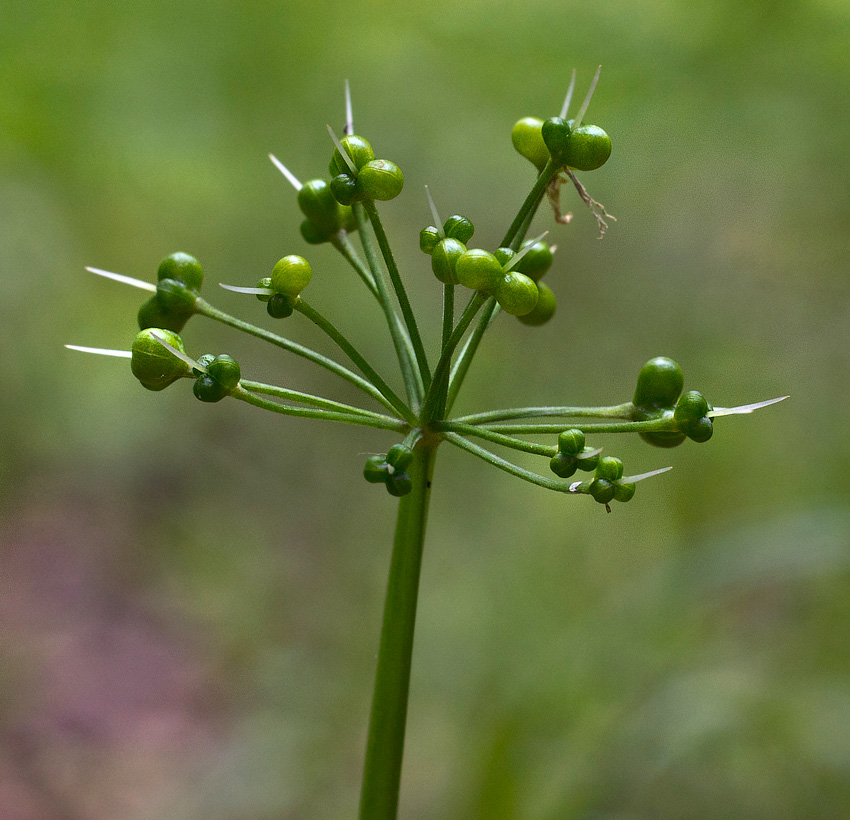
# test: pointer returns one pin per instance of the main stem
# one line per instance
(385, 746)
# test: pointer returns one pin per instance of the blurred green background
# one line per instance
(191, 593)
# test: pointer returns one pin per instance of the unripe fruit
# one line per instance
(183, 268)
(517, 294)
(153, 364)
(571, 442)
(659, 383)
(528, 141)
(544, 310)
(291, 275)
(588, 148)
(380, 179)
(444, 259)
(479, 270)
(317, 203)
(459, 227)
(358, 150)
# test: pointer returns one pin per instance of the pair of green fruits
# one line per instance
(658, 395)
(584, 148)
(390, 470)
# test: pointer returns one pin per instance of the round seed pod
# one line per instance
(517, 294)
(528, 141)
(536, 261)
(226, 371)
(152, 314)
(205, 361)
(663, 438)
(563, 465)
(624, 492)
(571, 442)
(313, 234)
(587, 463)
(265, 282)
(208, 389)
(345, 189)
(699, 430)
(503, 255)
(556, 135)
(479, 270)
(610, 468)
(183, 268)
(428, 238)
(588, 148)
(399, 484)
(317, 203)
(281, 306)
(399, 456)
(444, 259)
(380, 179)
(602, 490)
(544, 310)
(691, 406)
(154, 365)
(459, 227)
(291, 275)
(659, 383)
(375, 470)
(357, 149)
(175, 297)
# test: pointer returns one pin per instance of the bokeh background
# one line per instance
(190, 594)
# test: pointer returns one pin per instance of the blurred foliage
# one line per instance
(191, 594)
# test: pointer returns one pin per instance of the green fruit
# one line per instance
(544, 310)
(226, 371)
(265, 282)
(699, 430)
(459, 227)
(585, 462)
(610, 468)
(345, 189)
(291, 275)
(444, 259)
(663, 438)
(503, 256)
(183, 268)
(528, 141)
(571, 442)
(375, 470)
(517, 294)
(380, 179)
(536, 261)
(358, 150)
(153, 364)
(175, 297)
(428, 238)
(318, 204)
(624, 492)
(399, 457)
(563, 465)
(152, 314)
(588, 148)
(556, 136)
(602, 490)
(659, 383)
(399, 484)
(313, 234)
(479, 270)
(280, 306)
(206, 388)
(691, 406)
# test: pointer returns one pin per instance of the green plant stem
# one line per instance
(496, 438)
(308, 413)
(385, 745)
(663, 425)
(309, 399)
(434, 406)
(400, 292)
(507, 466)
(343, 244)
(464, 360)
(204, 308)
(410, 372)
(320, 321)
(448, 312)
(515, 234)
(614, 411)
(413, 381)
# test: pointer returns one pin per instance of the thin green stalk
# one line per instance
(308, 413)
(496, 438)
(314, 316)
(613, 411)
(448, 312)
(433, 408)
(410, 372)
(413, 381)
(464, 360)
(385, 745)
(204, 308)
(400, 292)
(519, 472)
(309, 399)
(343, 244)
(529, 206)
(662, 425)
